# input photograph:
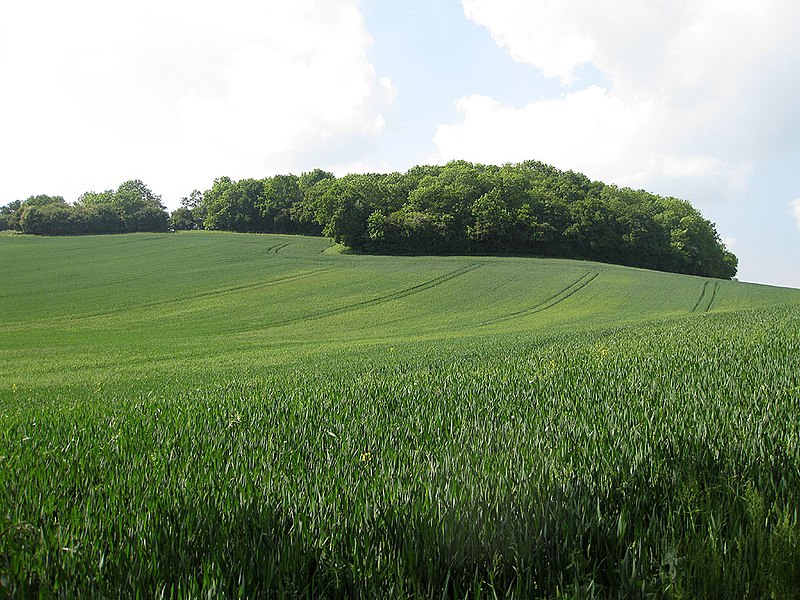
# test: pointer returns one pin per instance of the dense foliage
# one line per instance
(458, 208)
(255, 417)
(132, 207)
(464, 208)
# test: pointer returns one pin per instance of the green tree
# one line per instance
(140, 208)
(534, 231)
(102, 218)
(46, 219)
(105, 198)
(190, 214)
(136, 206)
(10, 214)
(305, 213)
(182, 219)
(275, 203)
(233, 205)
(346, 204)
(492, 227)
(44, 200)
(311, 178)
(193, 201)
(148, 218)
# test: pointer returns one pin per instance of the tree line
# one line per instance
(132, 207)
(527, 208)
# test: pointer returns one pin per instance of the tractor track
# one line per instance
(404, 293)
(706, 299)
(557, 298)
(179, 299)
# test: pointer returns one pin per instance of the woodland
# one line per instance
(460, 208)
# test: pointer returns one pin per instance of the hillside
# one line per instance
(153, 297)
(232, 415)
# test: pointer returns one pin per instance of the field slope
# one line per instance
(194, 413)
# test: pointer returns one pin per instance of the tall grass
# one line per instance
(644, 458)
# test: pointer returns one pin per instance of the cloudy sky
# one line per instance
(683, 98)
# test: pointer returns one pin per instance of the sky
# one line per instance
(696, 100)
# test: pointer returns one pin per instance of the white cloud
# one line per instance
(590, 127)
(695, 92)
(794, 205)
(180, 92)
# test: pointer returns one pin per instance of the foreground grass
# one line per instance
(520, 445)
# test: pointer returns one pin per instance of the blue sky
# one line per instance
(695, 100)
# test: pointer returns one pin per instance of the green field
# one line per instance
(208, 414)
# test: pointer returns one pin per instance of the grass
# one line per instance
(215, 414)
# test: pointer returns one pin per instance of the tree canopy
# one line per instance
(130, 208)
(527, 208)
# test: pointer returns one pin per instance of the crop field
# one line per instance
(230, 415)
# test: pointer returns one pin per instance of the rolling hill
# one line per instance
(212, 414)
(200, 297)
